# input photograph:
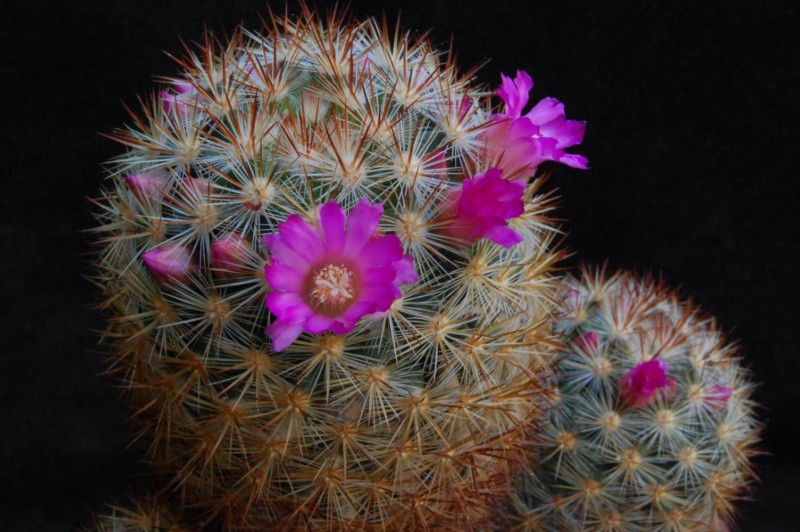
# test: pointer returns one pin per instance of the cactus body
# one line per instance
(412, 416)
(654, 428)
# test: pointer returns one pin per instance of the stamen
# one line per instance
(333, 286)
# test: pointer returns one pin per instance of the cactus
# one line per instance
(328, 279)
(654, 428)
(141, 514)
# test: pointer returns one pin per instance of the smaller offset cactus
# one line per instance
(141, 514)
(654, 428)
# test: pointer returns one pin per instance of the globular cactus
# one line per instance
(654, 427)
(347, 190)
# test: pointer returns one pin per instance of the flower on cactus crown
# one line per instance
(519, 143)
(641, 385)
(169, 262)
(327, 277)
(482, 207)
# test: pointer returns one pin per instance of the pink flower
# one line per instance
(519, 143)
(641, 385)
(482, 207)
(182, 100)
(327, 277)
(148, 184)
(718, 396)
(229, 254)
(169, 262)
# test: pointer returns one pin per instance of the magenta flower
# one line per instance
(148, 184)
(169, 262)
(229, 254)
(327, 277)
(482, 207)
(641, 385)
(519, 143)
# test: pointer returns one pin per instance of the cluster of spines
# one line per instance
(140, 514)
(678, 460)
(406, 422)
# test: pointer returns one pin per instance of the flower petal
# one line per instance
(282, 276)
(283, 334)
(331, 227)
(515, 93)
(361, 225)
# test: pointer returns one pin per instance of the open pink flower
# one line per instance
(519, 143)
(641, 385)
(327, 277)
(482, 207)
(169, 262)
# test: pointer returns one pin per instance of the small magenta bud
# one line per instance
(148, 184)
(229, 254)
(588, 342)
(641, 385)
(717, 397)
(169, 262)
(180, 101)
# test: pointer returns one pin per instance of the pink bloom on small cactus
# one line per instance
(519, 143)
(717, 397)
(641, 385)
(327, 277)
(171, 262)
(229, 254)
(181, 101)
(482, 207)
(148, 184)
(587, 342)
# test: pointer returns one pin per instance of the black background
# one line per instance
(692, 111)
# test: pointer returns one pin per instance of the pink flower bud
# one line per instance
(169, 262)
(198, 185)
(717, 397)
(181, 101)
(229, 254)
(641, 385)
(148, 184)
(587, 342)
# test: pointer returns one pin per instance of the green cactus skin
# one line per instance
(678, 463)
(413, 421)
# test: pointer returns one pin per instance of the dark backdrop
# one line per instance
(692, 116)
